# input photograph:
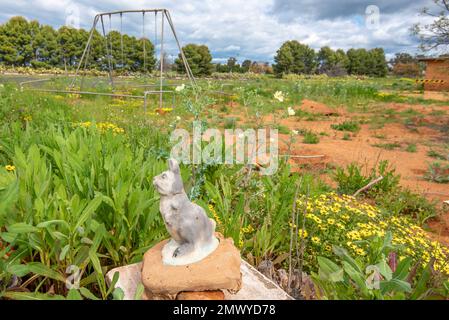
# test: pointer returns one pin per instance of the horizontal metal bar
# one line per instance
(32, 81)
(90, 92)
(147, 85)
(129, 11)
(157, 91)
(221, 92)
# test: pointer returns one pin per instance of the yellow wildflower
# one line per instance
(316, 240)
(10, 167)
(302, 234)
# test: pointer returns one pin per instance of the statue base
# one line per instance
(220, 270)
(195, 256)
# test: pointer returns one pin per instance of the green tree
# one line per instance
(357, 61)
(370, 63)
(199, 59)
(405, 65)
(232, 64)
(377, 63)
(68, 52)
(45, 47)
(403, 57)
(16, 42)
(133, 57)
(294, 57)
(221, 67)
(332, 63)
(246, 65)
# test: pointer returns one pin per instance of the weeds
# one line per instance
(310, 138)
(387, 146)
(411, 147)
(438, 172)
(437, 155)
(350, 126)
(351, 179)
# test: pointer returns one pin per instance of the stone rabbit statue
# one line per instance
(192, 231)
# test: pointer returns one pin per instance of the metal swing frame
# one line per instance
(99, 18)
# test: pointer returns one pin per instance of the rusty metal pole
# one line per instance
(161, 62)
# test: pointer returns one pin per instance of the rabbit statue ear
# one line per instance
(173, 166)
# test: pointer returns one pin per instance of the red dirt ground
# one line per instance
(335, 151)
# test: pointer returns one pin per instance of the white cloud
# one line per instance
(252, 29)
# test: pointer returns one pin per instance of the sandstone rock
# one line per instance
(255, 286)
(218, 271)
(201, 295)
(147, 295)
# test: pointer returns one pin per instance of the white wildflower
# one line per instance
(290, 111)
(279, 96)
(180, 88)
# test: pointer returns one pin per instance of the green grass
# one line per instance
(350, 126)
(437, 155)
(438, 172)
(438, 113)
(81, 195)
(411, 147)
(283, 129)
(346, 136)
(380, 136)
(310, 138)
(387, 146)
(230, 123)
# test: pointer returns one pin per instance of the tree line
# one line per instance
(31, 44)
(295, 57)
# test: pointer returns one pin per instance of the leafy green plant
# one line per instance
(351, 126)
(379, 277)
(283, 129)
(352, 178)
(387, 146)
(438, 172)
(407, 203)
(229, 123)
(437, 155)
(411, 147)
(310, 138)
(74, 200)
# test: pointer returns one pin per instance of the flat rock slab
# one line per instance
(255, 286)
(219, 270)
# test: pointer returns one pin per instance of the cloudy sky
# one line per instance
(249, 29)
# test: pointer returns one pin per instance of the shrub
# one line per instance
(408, 203)
(438, 172)
(387, 146)
(381, 276)
(230, 123)
(351, 179)
(437, 155)
(310, 138)
(411, 147)
(350, 126)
